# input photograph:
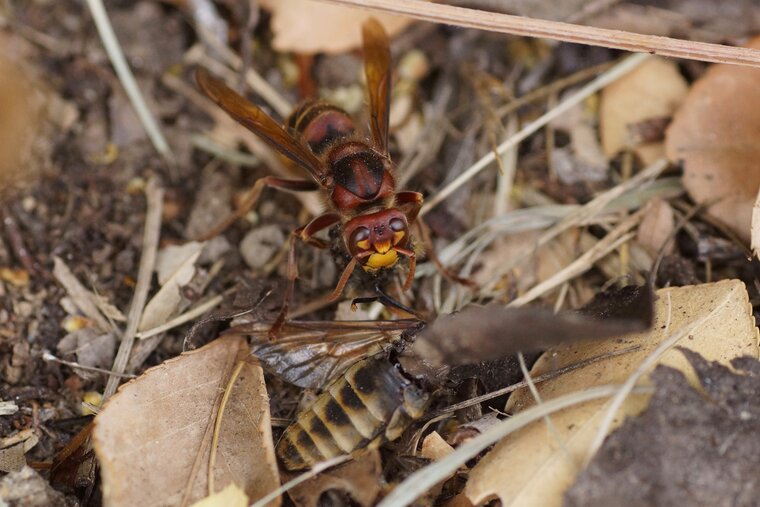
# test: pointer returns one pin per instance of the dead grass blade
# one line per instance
(155, 197)
(591, 88)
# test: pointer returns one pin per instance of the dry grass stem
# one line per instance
(315, 470)
(257, 83)
(183, 318)
(553, 88)
(557, 30)
(47, 356)
(155, 197)
(594, 86)
(116, 55)
(218, 425)
(608, 244)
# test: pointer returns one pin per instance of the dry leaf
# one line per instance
(231, 496)
(583, 159)
(360, 478)
(85, 300)
(715, 134)
(163, 305)
(14, 448)
(305, 26)
(653, 90)
(91, 347)
(656, 227)
(537, 470)
(153, 437)
(169, 259)
(434, 448)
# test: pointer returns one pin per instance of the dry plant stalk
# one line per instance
(155, 197)
(557, 30)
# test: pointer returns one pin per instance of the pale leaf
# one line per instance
(530, 468)
(153, 437)
(651, 91)
(163, 305)
(170, 258)
(715, 136)
(305, 26)
(231, 496)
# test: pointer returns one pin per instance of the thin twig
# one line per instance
(47, 356)
(594, 86)
(557, 30)
(119, 63)
(17, 241)
(155, 198)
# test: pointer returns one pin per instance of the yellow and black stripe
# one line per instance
(372, 402)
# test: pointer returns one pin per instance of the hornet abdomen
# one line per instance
(371, 403)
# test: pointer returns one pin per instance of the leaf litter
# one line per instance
(153, 439)
(94, 225)
(532, 457)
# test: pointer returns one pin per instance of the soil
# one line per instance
(689, 447)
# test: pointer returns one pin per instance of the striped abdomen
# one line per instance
(371, 403)
(320, 124)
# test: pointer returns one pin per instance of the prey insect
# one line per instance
(366, 397)
(354, 173)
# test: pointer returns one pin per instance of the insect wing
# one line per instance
(258, 122)
(311, 354)
(377, 61)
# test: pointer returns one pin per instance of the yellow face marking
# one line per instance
(398, 236)
(383, 247)
(381, 260)
(363, 244)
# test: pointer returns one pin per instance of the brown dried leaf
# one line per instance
(653, 90)
(360, 478)
(305, 26)
(538, 470)
(656, 227)
(153, 437)
(435, 447)
(715, 134)
(13, 449)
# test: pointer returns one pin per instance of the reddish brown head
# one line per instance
(373, 238)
